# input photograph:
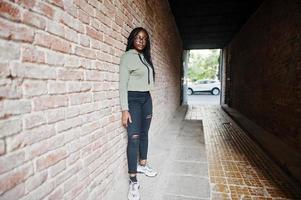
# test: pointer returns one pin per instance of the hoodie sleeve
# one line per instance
(123, 82)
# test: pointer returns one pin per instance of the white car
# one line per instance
(213, 86)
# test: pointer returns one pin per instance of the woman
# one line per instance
(135, 81)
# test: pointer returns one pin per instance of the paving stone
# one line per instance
(188, 186)
(191, 154)
(172, 197)
(190, 168)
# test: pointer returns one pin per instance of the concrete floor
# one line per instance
(227, 164)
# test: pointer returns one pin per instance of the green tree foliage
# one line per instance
(203, 66)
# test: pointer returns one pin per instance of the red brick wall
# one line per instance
(265, 62)
(60, 130)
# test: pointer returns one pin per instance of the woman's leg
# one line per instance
(146, 117)
(134, 133)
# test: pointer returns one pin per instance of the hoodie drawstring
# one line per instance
(146, 67)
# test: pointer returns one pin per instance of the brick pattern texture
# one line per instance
(265, 66)
(60, 130)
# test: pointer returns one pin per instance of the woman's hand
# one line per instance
(126, 117)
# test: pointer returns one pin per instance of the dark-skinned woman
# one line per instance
(136, 79)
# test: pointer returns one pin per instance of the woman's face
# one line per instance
(140, 41)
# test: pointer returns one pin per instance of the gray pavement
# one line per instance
(178, 153)
(203, 98)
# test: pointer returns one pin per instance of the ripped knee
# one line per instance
(149, 116)
(135, 137)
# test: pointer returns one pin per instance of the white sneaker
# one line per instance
(134, 191)
(148, 171)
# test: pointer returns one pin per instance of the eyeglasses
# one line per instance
(143, 39)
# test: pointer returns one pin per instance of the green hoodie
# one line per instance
(135, 74)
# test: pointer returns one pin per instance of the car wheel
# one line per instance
(189, 91)
(215, 91)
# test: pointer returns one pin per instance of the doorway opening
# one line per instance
(202, 77)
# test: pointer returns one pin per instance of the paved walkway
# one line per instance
(233, 167)
(178, 154)
(238, 168)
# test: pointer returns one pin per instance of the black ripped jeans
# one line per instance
(140, 108)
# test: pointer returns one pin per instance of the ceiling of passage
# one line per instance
(211, 24)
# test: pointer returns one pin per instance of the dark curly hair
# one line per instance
(146, 51)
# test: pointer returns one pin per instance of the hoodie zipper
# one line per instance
(148, 76)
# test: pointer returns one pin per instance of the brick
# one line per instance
(98, 87)
(43, 39)
(10, 11)
(84, 40)
(99, 96)
(32, 71)
(69, 74)
(14, 193)
(55, 28)
(15, 107)
(83, 5)
(2, 148)
(15, 177)
(72, 135)
(96, 24)
(72, 111)
(85, 86)
(104, 57)
(95, 44)
(57, 168)
(31, 54)
(33, 120)
(83, 17)
(68, 124)
(9, 51)
(11, 90)
(90, 117)
(4, 69)
(67, 173)
(73, 148)
(11, 160)
(85, 52)
(94, 3)
(44, 146)
(56, 115)
(56, 194)
(73, 157)
(15, 142)
(94, 75)
(86, 63)
(72, 22)
(94, 34)
(44, 9)
(83, 195)
(34, 20)
(58, 3)
(73, 87)
(37, 134)
(50, 159)
(55, 87)
(41, 191)
(70, 183)
(78, 188)
(76, 99)
(61, 45)
(35, 181)
(72, 62)
(33, 88)
(13, 31)
(48, 102)
(71, 35)
(55, 59)
(87, 108)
